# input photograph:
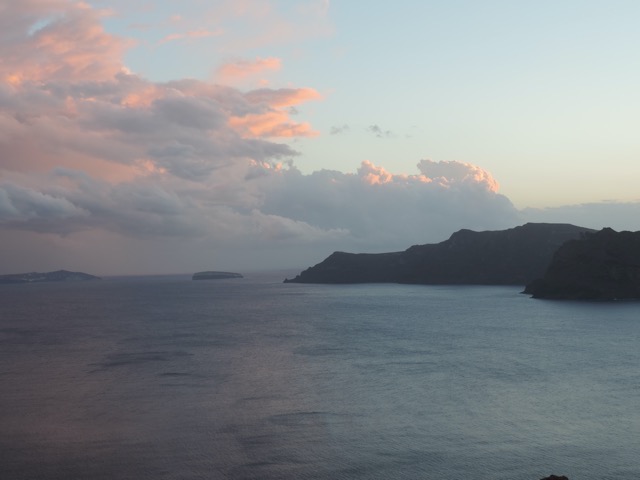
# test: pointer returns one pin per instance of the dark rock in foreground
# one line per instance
(555, 477)
(604, 265)
(214, 275)
(57, 276)
(504, 257)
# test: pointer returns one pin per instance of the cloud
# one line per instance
(271, 124)
(241, 69)
(107, 169)
(382, 210)
(454, 174)
(23, 206)
(283, 97)
(45, 41)
(68, 201)
(379, 132)
(272, 116)
(188, 128)
(191, 35)
(338, 129)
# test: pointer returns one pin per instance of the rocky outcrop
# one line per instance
(604, 265)
(214, 275)
(506, 257)
(57, 276)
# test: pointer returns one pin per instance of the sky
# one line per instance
(170, 136)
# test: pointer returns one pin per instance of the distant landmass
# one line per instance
(57, 276)
(604, 265)
(214, 275)
(515, 256)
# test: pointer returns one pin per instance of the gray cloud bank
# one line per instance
(278, 219)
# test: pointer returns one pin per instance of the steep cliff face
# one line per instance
(504, 257)
(601, 266)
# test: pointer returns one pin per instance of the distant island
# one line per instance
(604, 265)
(516, 256)
(57, 276)
(214, 275)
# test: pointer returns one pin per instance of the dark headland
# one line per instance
(604, 265)
(516, 256)
(57, 276)
(211, 275)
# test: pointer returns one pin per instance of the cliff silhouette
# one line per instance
(515, 256)
(604, 265)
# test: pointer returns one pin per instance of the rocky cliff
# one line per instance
(604, 265)
(506, 257)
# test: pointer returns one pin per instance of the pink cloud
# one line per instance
(66, 100)
(284, 97)
(241, 69)
(273, 123)
(194, 34)
(446, 174)
(452, 173)
(374, 175)
(271, 120)
(56, 40)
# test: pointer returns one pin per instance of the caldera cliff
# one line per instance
(604, 265)
(504, 257)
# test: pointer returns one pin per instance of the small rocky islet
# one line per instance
(56, 276)
(214, 275)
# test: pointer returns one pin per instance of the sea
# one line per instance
(165, 378)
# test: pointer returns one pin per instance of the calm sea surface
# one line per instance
(166, 378)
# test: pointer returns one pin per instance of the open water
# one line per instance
(166, 378)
